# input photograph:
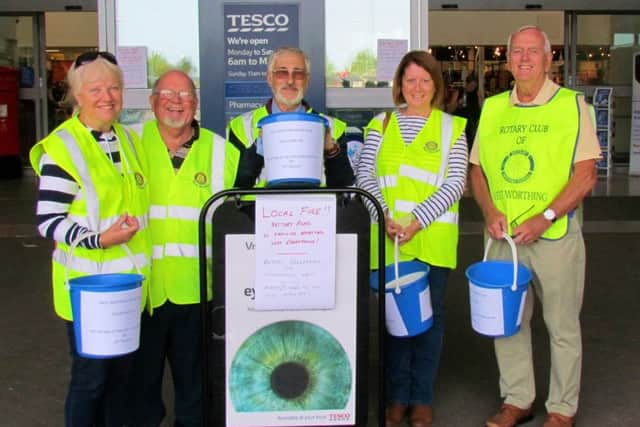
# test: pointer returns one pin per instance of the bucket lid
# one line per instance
(292, 117)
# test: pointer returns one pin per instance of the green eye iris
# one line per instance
(290, 366)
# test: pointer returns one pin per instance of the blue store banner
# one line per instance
(252, 33)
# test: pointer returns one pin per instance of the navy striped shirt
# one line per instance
(439, 202)
(57, 190)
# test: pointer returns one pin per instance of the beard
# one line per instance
(174, 123)
(289, 102)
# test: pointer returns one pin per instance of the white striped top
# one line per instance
(439, 202)
(57, 189)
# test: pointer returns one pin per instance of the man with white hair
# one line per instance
(533, 162)
(288, 72)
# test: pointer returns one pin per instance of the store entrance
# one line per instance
(21, 51)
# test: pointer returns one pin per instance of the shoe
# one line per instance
(509, 416)
(395, 414)
(557, 420)
(421, 416)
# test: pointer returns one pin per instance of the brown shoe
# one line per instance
(421, 416)
(395, 414)
(509, 416)
(558, 420)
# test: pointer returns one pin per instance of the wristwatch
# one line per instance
(549, 214)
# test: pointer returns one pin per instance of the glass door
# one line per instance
(21, 48)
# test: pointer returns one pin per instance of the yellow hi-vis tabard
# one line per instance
(526, 153)
(105, 194)
(408, 174)
(176, 201)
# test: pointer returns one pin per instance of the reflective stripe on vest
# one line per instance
(407, 206)
(86, 266)
(178, 250)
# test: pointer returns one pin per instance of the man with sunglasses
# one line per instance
(532, 164)
(288, 72)
(187, 164)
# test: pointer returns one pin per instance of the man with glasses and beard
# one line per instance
(187, 165)
(288, 73)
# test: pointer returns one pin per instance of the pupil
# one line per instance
(289, 380)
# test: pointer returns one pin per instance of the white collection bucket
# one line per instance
(407, 297)
(497, 292)
(293, 148)
(106, 311)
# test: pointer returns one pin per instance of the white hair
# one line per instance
(547, 43)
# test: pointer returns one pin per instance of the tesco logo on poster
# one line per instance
(257, 22)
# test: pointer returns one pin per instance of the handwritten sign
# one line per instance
(295, 252)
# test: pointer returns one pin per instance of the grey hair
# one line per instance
(547, 43)
(76, 77)
(154, 88)
(288, 49)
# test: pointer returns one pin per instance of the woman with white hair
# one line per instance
(93, 194)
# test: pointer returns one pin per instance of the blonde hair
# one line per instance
(77, 77)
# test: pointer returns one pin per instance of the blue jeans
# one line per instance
(172, 333)
(96, 395)
(412, 363)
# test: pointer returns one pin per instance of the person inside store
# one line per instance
(92, 197)
(187, 166)
(288, 73)
(533, 162)
(465, 102)
(420, 154)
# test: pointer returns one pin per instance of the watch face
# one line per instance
(549, 214)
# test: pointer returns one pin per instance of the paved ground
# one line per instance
(34, 359)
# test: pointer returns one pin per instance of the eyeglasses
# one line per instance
(283, 74)
(182, 95)
(89, 57)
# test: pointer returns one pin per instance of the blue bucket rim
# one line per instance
(79, 282)
(423, 267)
(521, 282)
(289, 117)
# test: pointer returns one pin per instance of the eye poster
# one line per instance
(289, 367)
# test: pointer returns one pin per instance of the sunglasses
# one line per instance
(89, 57)
(283, 74)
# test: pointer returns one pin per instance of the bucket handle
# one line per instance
(80, 238)
(514, 256)
(396, 267)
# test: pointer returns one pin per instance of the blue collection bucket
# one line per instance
(106, 312)
(407, 297)
(497, 293)
(293, 145)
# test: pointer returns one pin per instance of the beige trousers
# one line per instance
(558, 268)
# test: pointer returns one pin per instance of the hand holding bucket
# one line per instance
(106, 309)
(497, 292)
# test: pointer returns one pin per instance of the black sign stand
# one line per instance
(231, 215)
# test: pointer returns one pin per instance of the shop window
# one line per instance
(170, 39)
(354, 33)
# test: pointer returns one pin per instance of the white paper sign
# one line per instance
(295, 252)
(390, 52)
(254, 352)
(486, 310)
(110, 321)
(133, 62)
(634, 143)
